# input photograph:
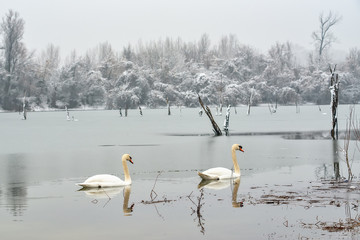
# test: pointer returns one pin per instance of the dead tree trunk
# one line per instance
(250, 100)
(168, 106)
(67, 114)
(226, 121)
(216, 128)
(24, 107)
(334, 91)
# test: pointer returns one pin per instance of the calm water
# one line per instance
(43, 157)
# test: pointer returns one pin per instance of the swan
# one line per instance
(107, 180)
(219, 173)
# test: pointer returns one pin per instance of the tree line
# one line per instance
(169, 70)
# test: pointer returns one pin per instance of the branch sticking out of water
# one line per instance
(216, 128)
(154, 195)
(152, 190)
(347, 143)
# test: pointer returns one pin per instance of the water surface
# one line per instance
(42, 158)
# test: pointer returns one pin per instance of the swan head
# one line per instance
(127, 157)
(237, 147)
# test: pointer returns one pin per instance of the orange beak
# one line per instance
(241, 150)
(131, 160)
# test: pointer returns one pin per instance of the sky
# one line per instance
(83, 24)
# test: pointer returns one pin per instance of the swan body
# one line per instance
(220, 173)
(107, 180)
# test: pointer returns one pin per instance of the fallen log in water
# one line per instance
(216, 128)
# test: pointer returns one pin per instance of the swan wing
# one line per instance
(208, 177)
(103, 180)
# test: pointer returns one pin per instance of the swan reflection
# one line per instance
(109, 193)
(236, 185)
(222, 184)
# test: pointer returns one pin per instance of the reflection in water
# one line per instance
(16, 189)
(109, 193)
(222, 184)
(335, 148)
(126, 209)
(208, 147)
(199, 218)
(214, 185)
(16, 199)
(236, 185)
(324, 171)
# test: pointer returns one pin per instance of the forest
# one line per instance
(168, 70)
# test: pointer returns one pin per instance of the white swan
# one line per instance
(219, 173)
(107, 180)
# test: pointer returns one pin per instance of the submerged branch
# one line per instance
(153, 197)
(152, 190)
(216, 128)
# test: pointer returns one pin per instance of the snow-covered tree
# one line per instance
(15, 55)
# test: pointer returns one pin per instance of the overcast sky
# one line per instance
(83, 24)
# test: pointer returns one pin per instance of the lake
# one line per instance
(42, 159)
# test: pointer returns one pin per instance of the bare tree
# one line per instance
(12, 29)
(323, 37)
(48, 62)
(204, 47)
(49, 59)
(353, 62)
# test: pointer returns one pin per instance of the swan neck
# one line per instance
(126, 172)
(236, 165)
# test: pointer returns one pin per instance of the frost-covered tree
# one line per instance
(12, 31)
(228, 46)
(204, 50)
(48, 65)
(72, 82)
(150, 73)
(353, 62)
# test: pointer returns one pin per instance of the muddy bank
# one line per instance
(321, 194)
